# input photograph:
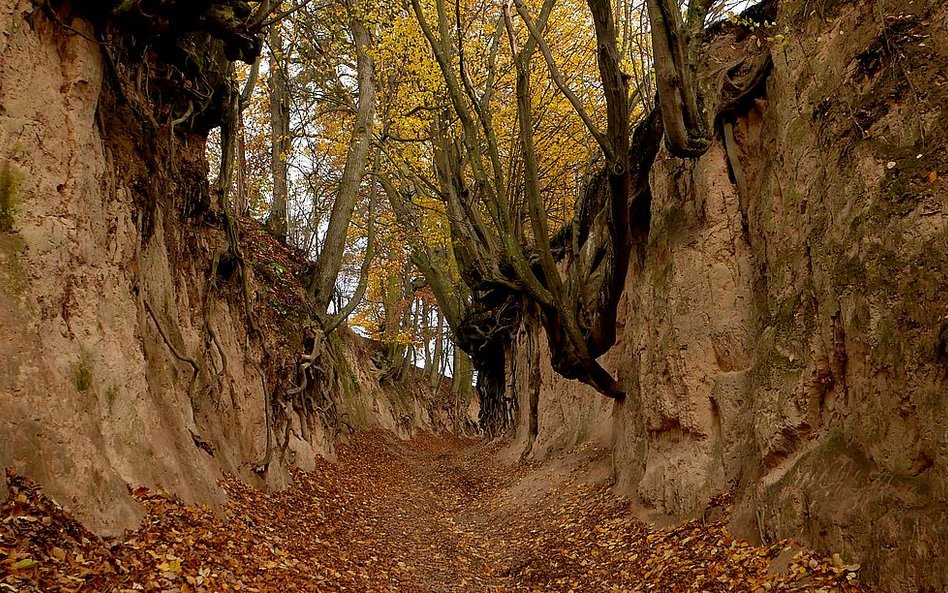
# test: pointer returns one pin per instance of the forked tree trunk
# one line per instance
(329, 262)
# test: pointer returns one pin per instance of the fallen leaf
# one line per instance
(24, 564)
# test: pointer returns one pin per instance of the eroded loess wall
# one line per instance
(786, 336)
(114, 370)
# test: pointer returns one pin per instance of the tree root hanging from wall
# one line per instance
(317, 376)
(531, 331)
(260, 467)
(232, 252)
(174, 350)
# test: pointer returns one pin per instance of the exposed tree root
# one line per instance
(261, 466)
(174, 350)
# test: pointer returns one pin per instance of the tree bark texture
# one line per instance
(329, 262)
(280, 140)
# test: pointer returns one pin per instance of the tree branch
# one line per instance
(536, 35)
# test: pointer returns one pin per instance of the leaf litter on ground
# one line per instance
(435, 514)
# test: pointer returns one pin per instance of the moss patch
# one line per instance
(14, 274)
(110, 396)
(583, 430)
(9, 185)
(82, 372)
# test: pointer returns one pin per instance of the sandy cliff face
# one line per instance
(114, 372)
(786, 336)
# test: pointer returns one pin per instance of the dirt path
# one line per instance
(413, 495)
(436, 514)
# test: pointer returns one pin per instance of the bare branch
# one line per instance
(557, 76)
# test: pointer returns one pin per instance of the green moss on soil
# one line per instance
(9, 186)
(583, 430)
(347, 381)
(14, 272)
(82, 373)
(111, 394)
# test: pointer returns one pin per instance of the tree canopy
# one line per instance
(452, 166)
